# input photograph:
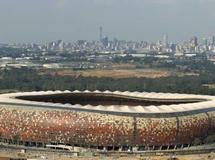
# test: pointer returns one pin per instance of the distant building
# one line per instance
(194, 41)
(165, 41)
(100, 34)
(105, 41)
(211, 40)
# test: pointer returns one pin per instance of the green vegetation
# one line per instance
(28, 80)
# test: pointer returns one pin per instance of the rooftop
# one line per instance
(114, 102)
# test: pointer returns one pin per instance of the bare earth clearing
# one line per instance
(116, 73)
(60, 156)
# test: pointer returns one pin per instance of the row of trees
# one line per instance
(29, 80)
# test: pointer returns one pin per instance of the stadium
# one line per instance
(106, 120)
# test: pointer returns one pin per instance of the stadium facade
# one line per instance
(106, 119)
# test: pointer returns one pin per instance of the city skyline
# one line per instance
(70, 20)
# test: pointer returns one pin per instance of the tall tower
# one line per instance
(165, 40)
(100, 33)
(194, 41)
(212, 40)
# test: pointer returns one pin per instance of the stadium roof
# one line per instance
(203, 102)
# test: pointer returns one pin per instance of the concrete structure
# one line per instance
(106, 120)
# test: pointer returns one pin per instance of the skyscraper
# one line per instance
(100, 33)
(194, 41)
(211, 40)
(165, 40)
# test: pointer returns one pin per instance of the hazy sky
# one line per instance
(46, 20)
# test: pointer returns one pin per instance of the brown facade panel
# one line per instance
(212, 119)
(156, 131)
(96, 129)
(191, 127)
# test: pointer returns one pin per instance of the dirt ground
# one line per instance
(60, 156)
(116, 73)
(185, 157)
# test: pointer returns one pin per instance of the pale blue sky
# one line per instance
(46, 20)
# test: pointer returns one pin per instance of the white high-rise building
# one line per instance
(165, 41)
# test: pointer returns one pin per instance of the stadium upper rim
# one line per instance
(199, 103)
